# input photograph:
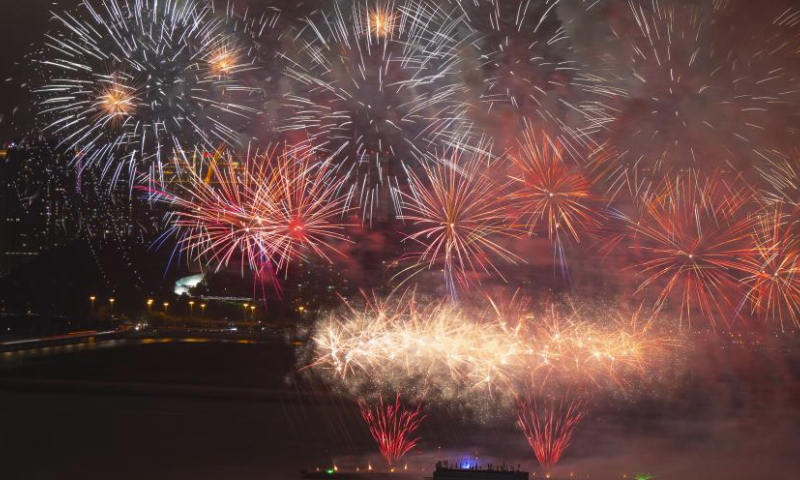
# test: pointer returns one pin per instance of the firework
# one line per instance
(770, 54)
(454, 353)
(689, 240)
(782, 175)
(392, 426)
(686, 99)
(379, 85)
(460, 216)
(548, 426)
(129, 82)
(773, 267)
(275, 208)
(523, 69)
(552, 195)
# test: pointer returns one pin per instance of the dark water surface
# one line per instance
(208, 410)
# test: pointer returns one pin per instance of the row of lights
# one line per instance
(166, 307)
(150, 303)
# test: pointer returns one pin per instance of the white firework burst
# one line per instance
(128, 81)
(378, 84)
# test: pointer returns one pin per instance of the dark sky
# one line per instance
(24, 23)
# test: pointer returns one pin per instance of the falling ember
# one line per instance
(687, 104)
(549, 425)
(392, 426)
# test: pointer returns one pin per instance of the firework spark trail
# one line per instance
(377, 84)
(461, 217)
(278, 207)
(454, 353)
(392, 426)
(773, 266)
(548, 190)
(689, 241)
(770, 56)
(782, 174)
(130, 81)
(549, 425)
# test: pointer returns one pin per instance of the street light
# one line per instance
(149, 305)
(245, 310)
(166, 307)
(92, 298)
(202, 309)
(111, 301)
(191, 308)
(253, 312)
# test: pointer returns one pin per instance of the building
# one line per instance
(36, 192)
(447, 471)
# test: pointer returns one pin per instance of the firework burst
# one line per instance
(686, 99)
(523, 70)
(773, 267)
(460, 216)
(392, 426)
(128, 82)
(690, 239)
(770, 57)
(551, 195)
(549, 425)
(379, 85)
(277, 207)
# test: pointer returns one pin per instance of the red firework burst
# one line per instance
(461, 217)
(392, 425)
(272, 209)
(549, 191)
(773, 266)
(548, 425)
(689, 242)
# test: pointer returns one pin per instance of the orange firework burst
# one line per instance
(380, 21)
(273, 209)
(115, 101)
(773, 267)
(690, 238)
(549, 191)
(222, 61)
(461, 216)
